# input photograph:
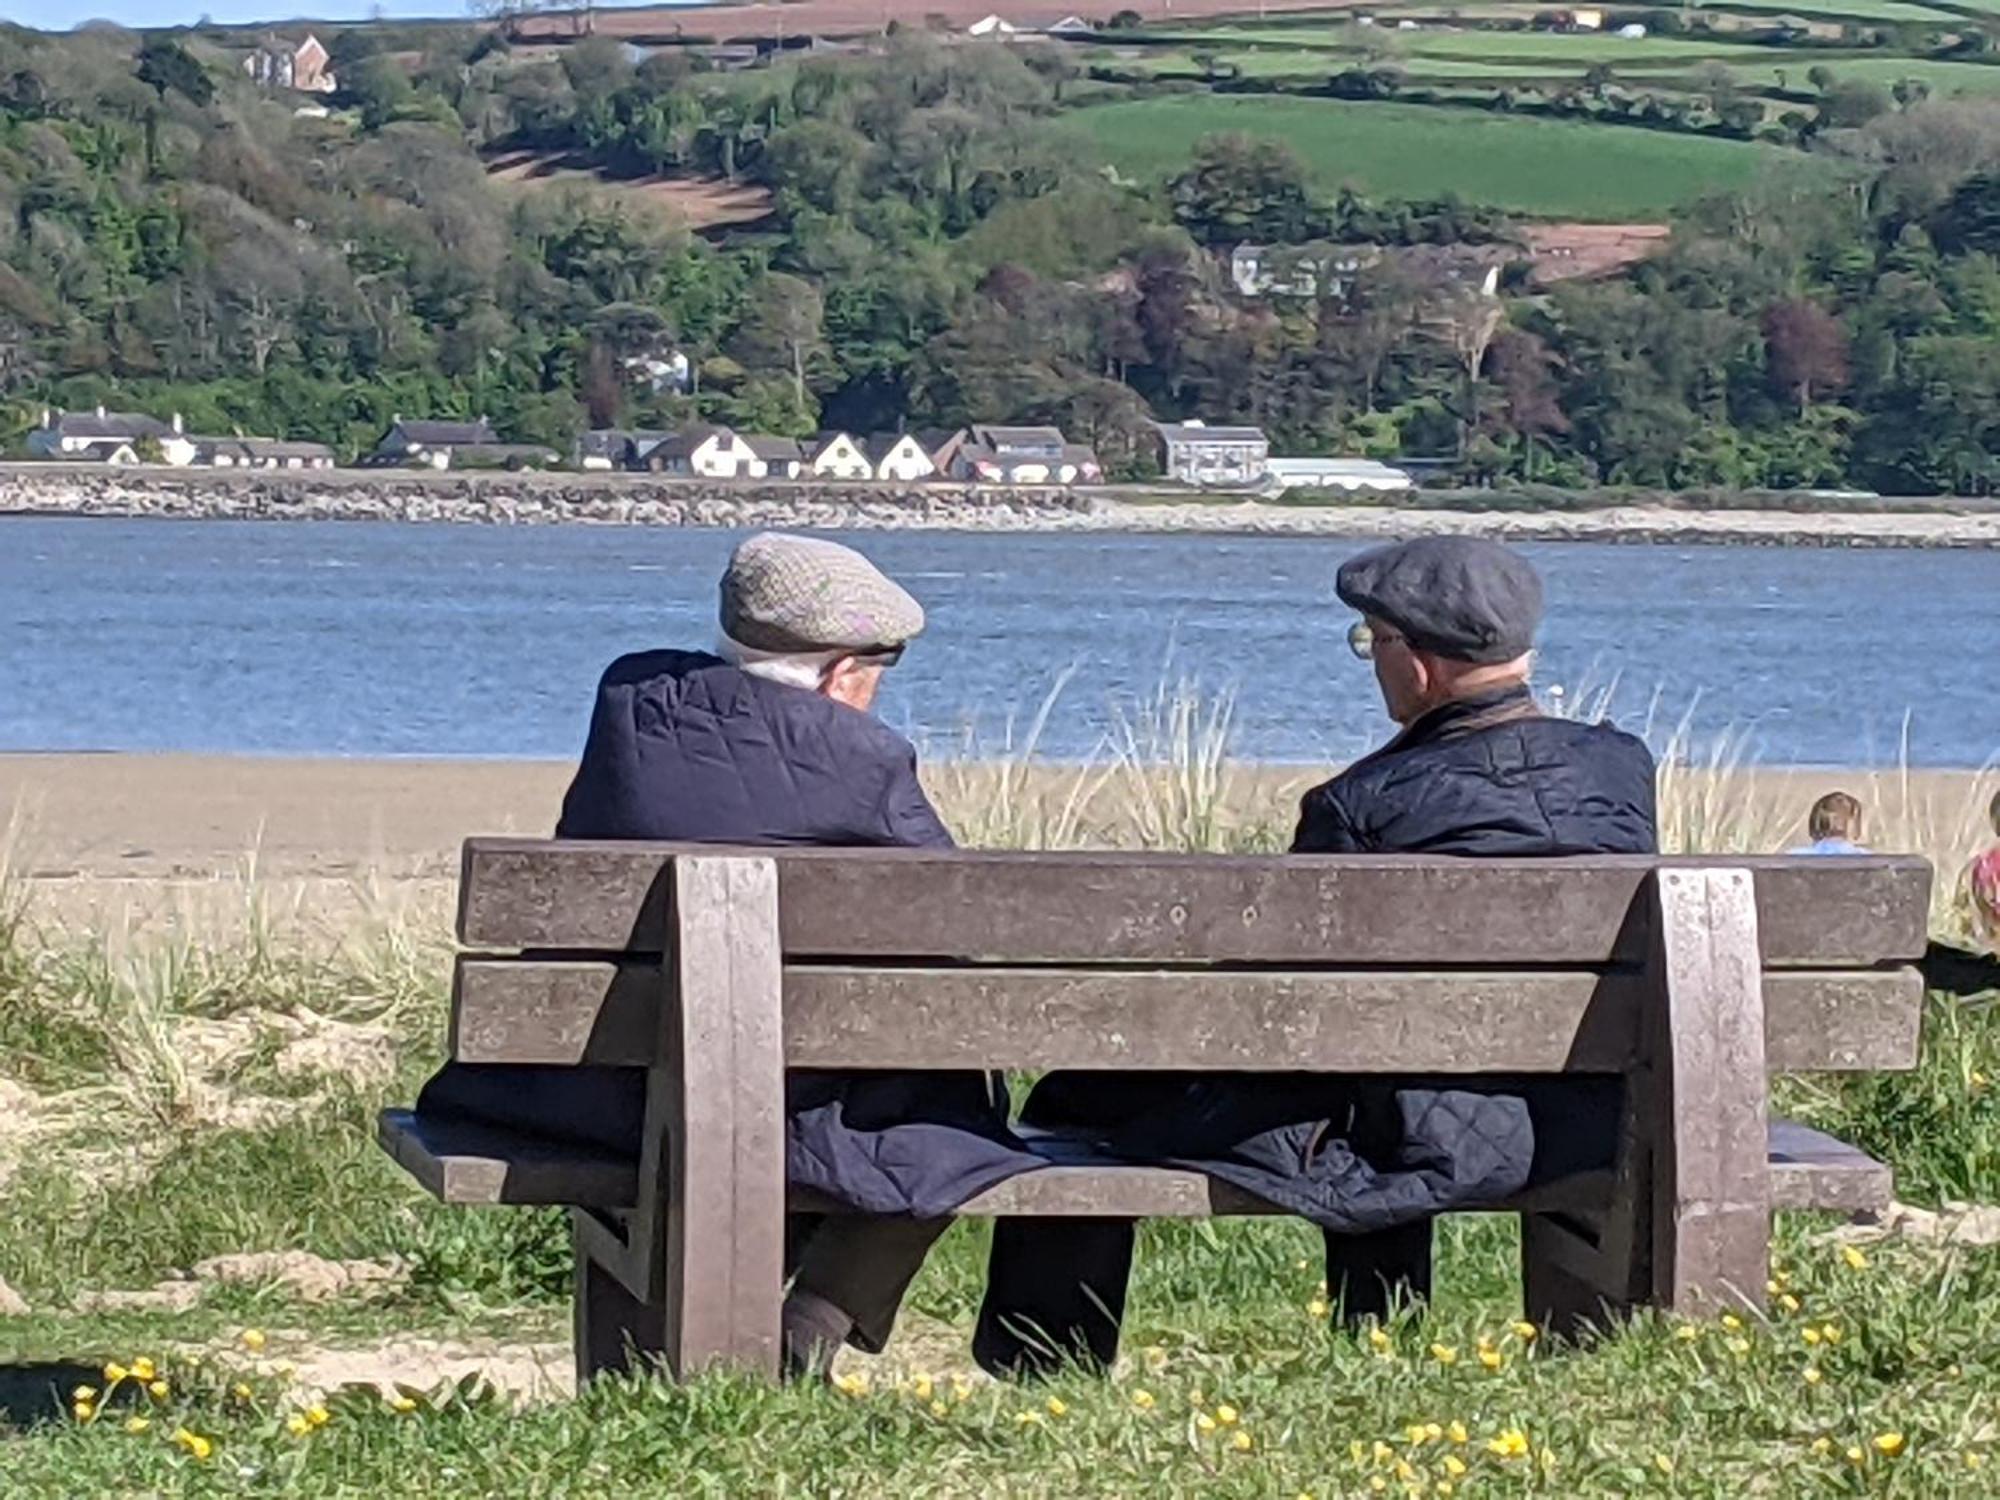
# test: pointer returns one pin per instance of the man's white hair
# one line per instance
(800, 669)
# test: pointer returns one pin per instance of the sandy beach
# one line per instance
(162, 843)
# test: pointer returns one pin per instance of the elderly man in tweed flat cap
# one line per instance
(1448, 624)
(769, 740)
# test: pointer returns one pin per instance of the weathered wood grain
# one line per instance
(591, 1011)
(1150, 908)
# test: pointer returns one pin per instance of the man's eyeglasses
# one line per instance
(1363, 639)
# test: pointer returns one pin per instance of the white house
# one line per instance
(992, 26)
(1070, 26)
(1195, 453)
(835, 455)
(1016, 455)
(102, 436)
(899, 457)
(1355, 475)
(283, 65)
(259, 453)
(706, 453)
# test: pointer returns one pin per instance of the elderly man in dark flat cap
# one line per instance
(1449, 625)
(769, 740)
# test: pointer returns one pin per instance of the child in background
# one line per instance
(1834, 826)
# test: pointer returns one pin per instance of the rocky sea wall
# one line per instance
(643, 500)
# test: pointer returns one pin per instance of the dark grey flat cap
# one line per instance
(1458, 597)
(798, 593)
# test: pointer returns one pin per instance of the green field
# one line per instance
(1557, 168)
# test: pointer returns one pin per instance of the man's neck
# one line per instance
(1473, 686)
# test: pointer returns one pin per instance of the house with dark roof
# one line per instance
(898, 457)
(985, 454)
(1192, 452)
(705, 452)
(423, 444)
(835, 455)
(616, 448)
(102, 436)
(778, 457)
(259, 453)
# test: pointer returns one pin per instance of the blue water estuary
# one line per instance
(358, 639)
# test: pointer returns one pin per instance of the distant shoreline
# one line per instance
(643, 500)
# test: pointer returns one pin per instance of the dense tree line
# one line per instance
(172, 237)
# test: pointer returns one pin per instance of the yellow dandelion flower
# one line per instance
(1663, 1463)
(961, 1388)
(318, 1415)
(1856, 1261)
(1143, 1400)
(1810, 1335)
(1379, 1339)
(1856, 1456)
(1687, 1333)
(1811, 1375)
(1455, 1430)
(1414, 1432)
(1454, 1465)
(1404, 1470)
(137, 1425)
(1227, 1414)
(1377, 1483)
(159, 1390)
(922, 1388)
(1738, 1347)
(241, 1391)
(1525, 1331)
(1731, 1322)
(1822, 1445)
(1303, 1495)
(1432, 1431)
(939, 1409)
(1058, 1407)
(403, 1404)
(252, 1339)
(1241, 1441)
(114, 1373)
(1788, 1302)
(1028, 1418)
(1155, 1357)
(197, 1446)
(852, 1384)
(1513, 1443)
(1830, 1332)
(1355, 1451)
(1204, 1422)
(83, 1411)
(1890, 1444)
(1444, 1354)
(1443, 1488)
(1382, 1452)
(297, 1425)
(84, 1393)
(1493, 1359)
(1975, 1460)
(1773, 1287)
(143, 1369)
(1317, 1308)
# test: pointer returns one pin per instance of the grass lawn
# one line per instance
(1410, 151)
(1945, 78)
(1876, 1373)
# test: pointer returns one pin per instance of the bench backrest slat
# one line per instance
(555, 1011)
(882, 905)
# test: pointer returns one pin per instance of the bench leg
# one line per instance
(614, 1330)
(1572, 1285)
(1707, 1094)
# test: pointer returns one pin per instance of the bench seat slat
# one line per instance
(570, 1012)
(464, 1163)
(1147, 908)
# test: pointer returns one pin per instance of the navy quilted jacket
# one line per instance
(1489, 777)
(684, 747)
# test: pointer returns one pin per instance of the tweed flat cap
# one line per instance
(798, 593)
(1459, 597)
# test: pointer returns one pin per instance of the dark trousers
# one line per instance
(1055, 1288)
(860, 1264)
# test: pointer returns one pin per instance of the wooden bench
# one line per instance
(716, 969)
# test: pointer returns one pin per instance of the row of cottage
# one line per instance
(1190, 453)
